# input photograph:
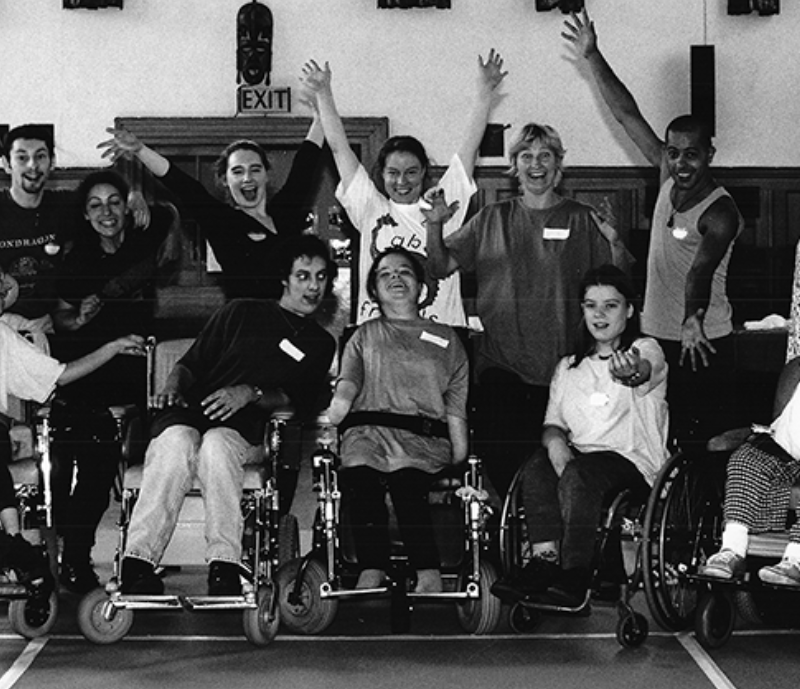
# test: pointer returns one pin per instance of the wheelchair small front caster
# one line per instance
(632, 630)
(523, 619)
(715, 618)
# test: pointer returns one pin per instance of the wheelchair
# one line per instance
(106, 616)
(310, 588)
(718, 604)
(617, 562)
(32, 612)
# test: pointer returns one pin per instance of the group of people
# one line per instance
(562, 372)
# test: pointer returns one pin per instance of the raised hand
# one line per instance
(436, 209)
(491, 70)
(580, 33)
(123, 144)
(315, 78)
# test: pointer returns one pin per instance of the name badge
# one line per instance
(290, 349)
(556, 233)
(598, 399)
(434, 339)
(680, 233)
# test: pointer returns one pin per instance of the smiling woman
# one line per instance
(246, 233)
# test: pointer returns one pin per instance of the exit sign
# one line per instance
(260, 100)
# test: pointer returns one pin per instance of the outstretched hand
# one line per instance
(123, 144)
(436, 209)
(580, 33)
(606, 220)
(694, 344)
(132, 345)
(491, 69)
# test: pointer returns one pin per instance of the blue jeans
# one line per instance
(174, 458)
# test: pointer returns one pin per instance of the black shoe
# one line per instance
(224, 579)
(569, 591)
(78, 577)
(535, 577)
(139, 578)
(31, 564)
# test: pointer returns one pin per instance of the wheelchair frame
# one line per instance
(309, 588)
(525, 613)
(106, 616)
(31, 614)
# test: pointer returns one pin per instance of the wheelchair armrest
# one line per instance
(123, 411)
(728, 441)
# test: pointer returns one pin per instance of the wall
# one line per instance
(81, 68)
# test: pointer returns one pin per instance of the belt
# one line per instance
(421, 425)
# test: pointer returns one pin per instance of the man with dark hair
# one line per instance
(252, 357)
(695, 223)
(33, 222)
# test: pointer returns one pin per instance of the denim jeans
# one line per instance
(173, 459)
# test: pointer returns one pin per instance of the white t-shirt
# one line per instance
(25, 372)
(599, 413)
(786, 428)
(382, 223)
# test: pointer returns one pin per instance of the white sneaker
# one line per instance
(784, 573)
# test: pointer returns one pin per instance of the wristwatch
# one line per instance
(258, 392)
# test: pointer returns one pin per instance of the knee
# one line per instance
(173, 441)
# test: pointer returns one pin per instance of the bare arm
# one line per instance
(459, 437)
(343, 397)
(581, 34)
(131, 344)
(318, 82)
(554, 440)
(718, 225)
(68, 317)
(491, 76)
(440, 261)
(126, 144)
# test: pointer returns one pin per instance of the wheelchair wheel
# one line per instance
(307, 612)
(480, 615)
(681, 525)
(524, 620)
(34, 616)
(99, 621)
(288, 539)
(513, 532)
(632, 630)
(716, 615)
(261, 624)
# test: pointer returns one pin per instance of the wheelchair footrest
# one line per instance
(13, 590)
(326, 591)
(211, 603)
(147, 602)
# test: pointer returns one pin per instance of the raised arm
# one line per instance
(491, 75)
(440, 261)
(126, 144)
(318, 83)
(580, 33)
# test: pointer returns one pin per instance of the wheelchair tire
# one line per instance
(310, 613)
(261, 624)
(715, 619)
(523, 619)
(632, 630)
(479, 616)
(99, 622)
(34, 616)
(513, 530)
(288, 539)
(681, 526)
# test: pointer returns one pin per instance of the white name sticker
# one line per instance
(680, 233)
(598, 399)
(292, 350)
(435, 339)
(556, 233)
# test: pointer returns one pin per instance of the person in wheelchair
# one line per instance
(400, 404)
(252, 357)
(605, 430)
(28, 373)
(761, 475)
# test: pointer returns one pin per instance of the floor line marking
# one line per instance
(22, 663)
(704, 661)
